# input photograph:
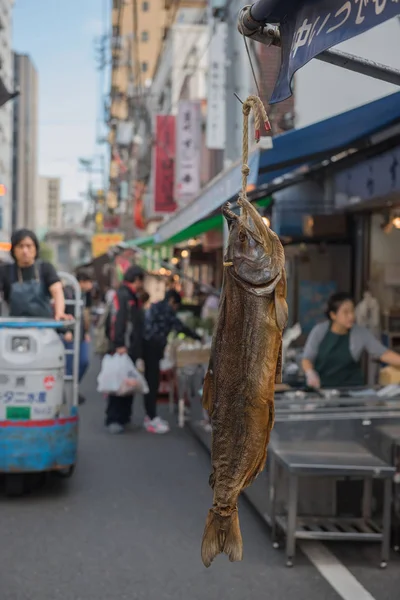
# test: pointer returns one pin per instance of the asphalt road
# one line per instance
(128, 525)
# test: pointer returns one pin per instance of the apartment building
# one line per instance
(49, 202)
(25, 145)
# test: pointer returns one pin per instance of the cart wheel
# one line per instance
(66, 473)
(289, 562)
(14, 485)
(383, 564)
(396, 548)
(275, 545)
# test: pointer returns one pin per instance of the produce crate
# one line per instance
(187, 358)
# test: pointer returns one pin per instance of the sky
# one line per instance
(59, 36)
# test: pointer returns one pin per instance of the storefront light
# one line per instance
(162, 271)
(184, 253)
(174, 260)
(396, 222)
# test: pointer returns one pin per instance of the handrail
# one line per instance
(71, 280)
(19, 323)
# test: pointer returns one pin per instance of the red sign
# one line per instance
(111, 222)
(138, 218)
(49, 382)
(165, 147)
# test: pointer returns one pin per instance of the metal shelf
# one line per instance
(334, 529)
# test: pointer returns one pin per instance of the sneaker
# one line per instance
(159, 419)
(115, 428)
(157, 425)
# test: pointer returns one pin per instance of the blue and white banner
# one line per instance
(317, 25)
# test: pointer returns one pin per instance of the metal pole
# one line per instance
(262, 10)
(251, 25)
(360, 65)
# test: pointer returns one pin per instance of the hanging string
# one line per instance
(260, 115)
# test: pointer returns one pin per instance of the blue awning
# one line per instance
(291, 150)
(326, 138)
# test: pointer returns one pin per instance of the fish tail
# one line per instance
(222, 535)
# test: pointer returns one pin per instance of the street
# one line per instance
(128, 525)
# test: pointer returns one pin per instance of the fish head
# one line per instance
(254, 252)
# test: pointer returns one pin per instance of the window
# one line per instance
(145, 66)
(62, 254)
(145, 6)
(1, 218)
(145, 36)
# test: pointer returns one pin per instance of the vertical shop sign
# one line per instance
(164, 201)
(216, 115)
(188, 132)
(138, 217)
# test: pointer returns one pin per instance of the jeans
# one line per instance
(84, 354)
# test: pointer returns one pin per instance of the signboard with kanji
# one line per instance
(164, 183)
(216, 88)
(312, 27)
(188, 151)
(102, 242)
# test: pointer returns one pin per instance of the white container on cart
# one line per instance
(31, 374)
(38, 401)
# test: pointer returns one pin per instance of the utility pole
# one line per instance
(96, 201)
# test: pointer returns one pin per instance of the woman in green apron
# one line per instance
(334, 348)
(29, 284)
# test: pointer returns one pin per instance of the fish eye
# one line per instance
(242, 236)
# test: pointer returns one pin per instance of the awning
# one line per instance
(193, 231)
(293, 149)
(141, 242)
(5, 95)
(329, 137)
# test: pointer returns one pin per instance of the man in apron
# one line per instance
(29, 284)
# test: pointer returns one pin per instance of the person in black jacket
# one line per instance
(160, 320)
(125, 331)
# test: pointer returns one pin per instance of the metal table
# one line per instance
(333, 458)
(341, 439)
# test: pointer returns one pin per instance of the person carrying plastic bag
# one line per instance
(125, 332)
(120, 377)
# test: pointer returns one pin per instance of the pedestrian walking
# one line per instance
(125, 330)
(160, 320)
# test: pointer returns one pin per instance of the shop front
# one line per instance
(370, 192)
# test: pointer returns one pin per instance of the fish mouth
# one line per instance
(258, 288)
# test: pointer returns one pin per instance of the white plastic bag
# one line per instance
(119, 376)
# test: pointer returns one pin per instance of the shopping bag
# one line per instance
(119, 376)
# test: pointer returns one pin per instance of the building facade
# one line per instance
(139, 28)
(70, 247)
(25, 145)
(6, 75)
(49, 202)
(72, 214)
